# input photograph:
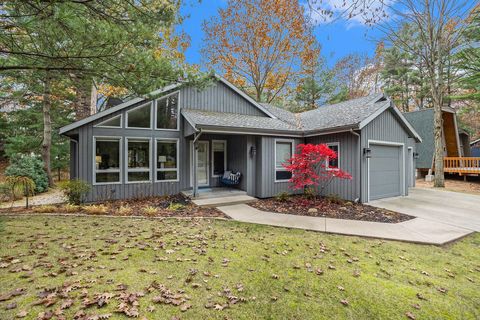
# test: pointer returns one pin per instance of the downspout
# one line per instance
(76, 159)
(359, 165)
(195, 161)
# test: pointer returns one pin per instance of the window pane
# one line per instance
(166, 154)
(113, 122)
(167, 175)
(138, 176)
(218, 158)
(138, 154)
(284, 152)
(283, 175)
(333, 163)
(107, 177)
(140, 117)
(107, 154)
(167, 112)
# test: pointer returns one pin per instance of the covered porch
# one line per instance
(211, 157)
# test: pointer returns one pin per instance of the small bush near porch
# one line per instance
(96, 268)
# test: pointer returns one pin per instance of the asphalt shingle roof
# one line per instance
(234, 120)
(344, 114)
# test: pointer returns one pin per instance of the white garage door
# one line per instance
(385, 171)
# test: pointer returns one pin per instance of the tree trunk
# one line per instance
(47, 128)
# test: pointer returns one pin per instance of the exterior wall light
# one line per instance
(367, 153)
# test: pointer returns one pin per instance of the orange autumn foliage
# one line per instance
(260, 45)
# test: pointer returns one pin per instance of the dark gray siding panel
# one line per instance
(217, 97)
(349, 157)
(422, 122)
(386, 127)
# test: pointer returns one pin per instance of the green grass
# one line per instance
(391, 274)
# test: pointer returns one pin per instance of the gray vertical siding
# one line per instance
(217, 97)
(348, 161)
(266, 186)
(386, 127)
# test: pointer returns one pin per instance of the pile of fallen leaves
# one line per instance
(162, 206)
(325, 207)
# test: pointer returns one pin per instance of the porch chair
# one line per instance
(230, 179)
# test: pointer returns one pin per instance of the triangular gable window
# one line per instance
(115, 122)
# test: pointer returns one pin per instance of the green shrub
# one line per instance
(74, 190)
(310, 193)
(176, 206)
(282, 196)
(29, 166)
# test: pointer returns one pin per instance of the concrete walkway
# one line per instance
(417, 230)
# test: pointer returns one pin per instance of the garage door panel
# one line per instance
(385, 171)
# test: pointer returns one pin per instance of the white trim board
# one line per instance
(94, 164)
(292, 141)
(155, 169)
(127, 170)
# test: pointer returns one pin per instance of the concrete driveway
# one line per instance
(453, 208)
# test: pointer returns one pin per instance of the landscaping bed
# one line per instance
(165, 206)
(328, 207)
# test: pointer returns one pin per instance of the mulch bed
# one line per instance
(337, 209)
(162, 204)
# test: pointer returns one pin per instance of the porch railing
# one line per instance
(462, 165)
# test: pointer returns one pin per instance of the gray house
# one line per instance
(187, 138)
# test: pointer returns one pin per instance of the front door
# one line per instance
(202, 163)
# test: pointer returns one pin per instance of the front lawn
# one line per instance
(56, 267)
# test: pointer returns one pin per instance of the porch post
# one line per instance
(195, 159)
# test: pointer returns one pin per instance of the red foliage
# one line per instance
(308, 166)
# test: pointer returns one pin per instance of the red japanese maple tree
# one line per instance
(309, 167)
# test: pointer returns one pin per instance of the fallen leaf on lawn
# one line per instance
(10, 306)
(416, 306)
(319, 271)
(421, 297)
(185, 307)
(442, 290)
(150, 308)
(341, 288)
(22, 314)
(275, 276)
(356, 273)
(344, 302)
(410, 315)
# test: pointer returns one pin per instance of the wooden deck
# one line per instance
(462, 165)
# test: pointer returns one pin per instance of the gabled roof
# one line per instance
(159, 92)
(344, 114)
(223, 121)
(352, 114)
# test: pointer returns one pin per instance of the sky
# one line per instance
(338, 38)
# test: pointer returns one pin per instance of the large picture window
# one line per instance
(333, 164)
(167, 112)
(167, 160)
(140, 117)
(219, 157)
(283, 152)
(107, 160)
(138, 160)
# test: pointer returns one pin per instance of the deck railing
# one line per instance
(462, 164)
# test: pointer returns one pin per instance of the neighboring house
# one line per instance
(475, 148)
(145, 147)
(455, 140)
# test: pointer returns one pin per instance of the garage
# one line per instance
(385, 171)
